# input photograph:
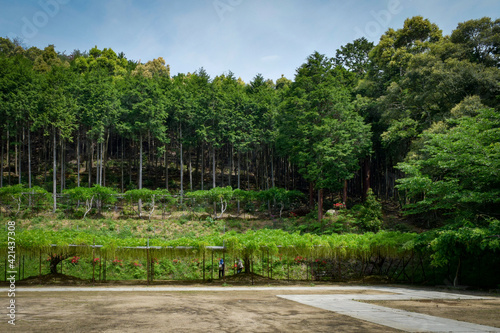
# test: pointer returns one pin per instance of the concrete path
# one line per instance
(403, 320)
(345, 304)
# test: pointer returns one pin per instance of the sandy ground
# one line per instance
(483, 312)
(244, 311)
(211, 311)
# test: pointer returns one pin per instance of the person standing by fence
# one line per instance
(240, 266)
(221, 268)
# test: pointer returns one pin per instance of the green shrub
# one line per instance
(369, 215)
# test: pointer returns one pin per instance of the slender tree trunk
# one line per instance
(213, 166)
(190, 171)
(97, 161)
(8, 156)
(78, 159)
(221, 158)
(239, 177)
(272, 169)
(256, 171)
(1, 167)
(197, 163)
(139, 208)
(140, 162)
(123, 149)
(166, 168)
(181, 163)
(101, 159)
(311, 195)
(91, 159)
(29, 158)
(266, 175)
(54, 185)
(15, 155)
(62, 164)
(344, 194)
(248, 172)
(21, 147)
(46, 158)
(202, 174)
(366, 177)
(320, 205)
(231, 164)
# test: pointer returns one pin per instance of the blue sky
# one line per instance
(247, 37)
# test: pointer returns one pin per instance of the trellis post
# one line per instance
(203, 265)
(147, 263)
(224, 266)
(251, 267)
(93, 263)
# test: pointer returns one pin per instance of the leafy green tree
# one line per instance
(215, 195)
(479, 40)
(454, 170)
(320, 131)
(99, 105)
(355, 56)
(56, 114)
(144, 112)
(142, 196)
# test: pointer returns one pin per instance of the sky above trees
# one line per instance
(242, 36)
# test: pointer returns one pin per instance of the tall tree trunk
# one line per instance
(123, 149)
(239, 177)
(139, 208)
(202, 174)
(272, 169)
(140, 162)
(15, 155)
(197, 163)
(311, 195)
(8, 156)
(320, 205)
(61, 163)
(54, 165)
(90, 145)
(366, 177)
(29, 158)
(77, 159)
(344, 193)
(221, 158)
(1, 167)
(97, 160)
(190, 171)
(248, 172)
(181, 163)
(21, 147)
(213, 166)
(231, 163)
(166, 168)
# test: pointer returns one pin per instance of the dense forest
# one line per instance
(414, 117)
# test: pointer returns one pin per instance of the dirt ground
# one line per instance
(208, 311)
(483, 312)
(244, 311)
